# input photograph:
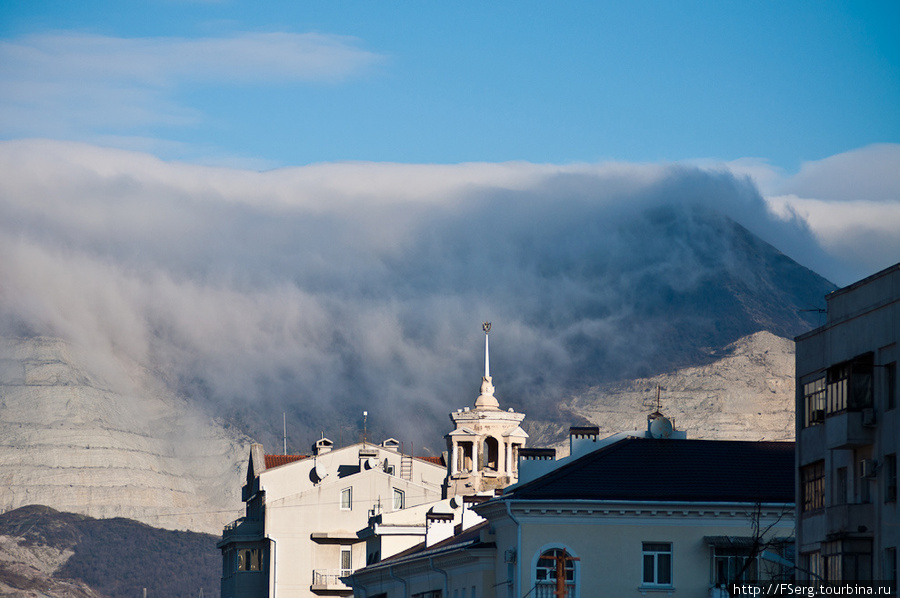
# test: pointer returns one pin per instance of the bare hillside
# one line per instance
(747, 393)
(76, 442)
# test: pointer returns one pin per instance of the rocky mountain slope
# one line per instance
(126, 448)
(747, 393)
(45, 553)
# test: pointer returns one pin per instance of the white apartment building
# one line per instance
(304, 516)
(312, 520)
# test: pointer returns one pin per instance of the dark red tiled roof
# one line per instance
(277, 460)
(436, 460)
(672, 470)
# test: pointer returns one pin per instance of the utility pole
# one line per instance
(561, 560)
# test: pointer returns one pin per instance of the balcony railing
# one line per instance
(243, 528)
(330, 579)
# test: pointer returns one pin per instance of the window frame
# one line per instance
(249, 560)
(814, 402)
(653, 551)
(890, 478)
(398, 493)
(812, 487)
(544, 586)
(890, 384)
(349, 502)
(348, 570)
(739, 556)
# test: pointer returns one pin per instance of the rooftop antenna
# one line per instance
(486, 326)
(658, 412)
(365, 430)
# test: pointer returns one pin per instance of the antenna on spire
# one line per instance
(486, 326)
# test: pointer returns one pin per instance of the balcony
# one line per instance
(850, 429)
(329, 581)
(841, 520)
(242, 530)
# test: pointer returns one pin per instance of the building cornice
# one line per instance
(619, 510)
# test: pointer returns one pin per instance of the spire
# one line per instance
(486, 399)
(486, 326)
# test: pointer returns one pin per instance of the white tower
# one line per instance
(483, 449)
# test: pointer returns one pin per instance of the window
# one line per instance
(813, 567)
(399, 499)
(889, 567)
(657, 564)
(346, 561)
(249, 559)
(814, 401)
(849, 385)
(347, 499)
(890, 380)
(733, 565)
(428, 594)
(555, 564)
(848, 560)
(864, 475)
(890, 478)
(812, 486)
(840, 486)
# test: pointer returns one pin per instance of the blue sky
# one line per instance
(289, 83)
(237, 190)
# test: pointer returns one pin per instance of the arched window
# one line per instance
(491, 453)
(555, 569)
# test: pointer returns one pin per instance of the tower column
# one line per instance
(507, 461)
(475, 455)
(454, 460)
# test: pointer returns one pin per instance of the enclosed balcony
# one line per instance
(846, 519)
(850, 429)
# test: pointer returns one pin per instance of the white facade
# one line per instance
(848, 525)
(305, 519)
(649, 545)
(311, 521)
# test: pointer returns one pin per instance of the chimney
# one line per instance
(322, 446)
(535, 462)
(438, 526)
(583, 439)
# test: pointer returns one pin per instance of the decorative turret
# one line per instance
(486, 399)
(483, 449)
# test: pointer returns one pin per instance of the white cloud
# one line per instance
(850, 202)
(868, 174)
(335, 283)
(64, 83)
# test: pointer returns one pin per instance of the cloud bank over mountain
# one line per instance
(329, 288)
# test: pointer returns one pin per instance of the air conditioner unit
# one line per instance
(867, 468)
(510, 556)
(868, 416)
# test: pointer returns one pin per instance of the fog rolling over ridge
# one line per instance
(328, 289)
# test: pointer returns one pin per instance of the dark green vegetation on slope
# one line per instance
(119, 557)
